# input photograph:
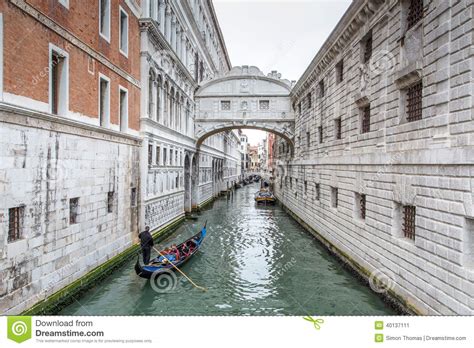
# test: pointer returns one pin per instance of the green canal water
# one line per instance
(254, 261)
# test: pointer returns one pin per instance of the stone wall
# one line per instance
(427, 164)
(45, 162)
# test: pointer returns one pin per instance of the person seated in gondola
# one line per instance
(175, 252)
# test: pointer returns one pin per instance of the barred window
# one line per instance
(365, 124)
(264, 104)
(414, 102)
(338, 128)
(415, 12)
(334, 196)
(367, 48)
(225, 104)
(73, 210)
(339, 71)
(317, 189)
(409, 214)
(362, 206)
(15, 223)
(110, 201)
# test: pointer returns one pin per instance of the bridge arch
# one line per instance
(245, 98)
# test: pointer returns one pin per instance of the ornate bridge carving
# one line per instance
(245, 98)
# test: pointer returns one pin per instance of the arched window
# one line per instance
(166, 103)
(159, 101)
(171, 118)
(188, 118)
(151, 82)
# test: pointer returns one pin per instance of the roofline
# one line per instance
(221, 36)
(331, 39)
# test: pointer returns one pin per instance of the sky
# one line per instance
(276, 35)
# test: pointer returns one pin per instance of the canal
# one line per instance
(254, 261)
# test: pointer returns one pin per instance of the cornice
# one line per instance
(149, 26)
(354, 18)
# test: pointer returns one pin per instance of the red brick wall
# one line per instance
(26, 55)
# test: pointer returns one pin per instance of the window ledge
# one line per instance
(409, 75)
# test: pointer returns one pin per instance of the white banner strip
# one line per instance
(364, 332)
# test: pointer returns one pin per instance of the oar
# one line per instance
(182, 273)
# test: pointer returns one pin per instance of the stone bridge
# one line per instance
(245, 98)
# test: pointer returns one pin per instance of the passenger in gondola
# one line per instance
(175, 252)
(146, 243)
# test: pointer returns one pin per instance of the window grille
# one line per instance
(14, 223)
(409, 214)
(414, 102)
(366, 119)
(415, 12)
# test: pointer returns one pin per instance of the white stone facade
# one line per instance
(181, 47)
(427, 164)
(46, 162)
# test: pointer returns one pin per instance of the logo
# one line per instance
(19, 329)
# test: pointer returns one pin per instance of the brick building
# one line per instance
(383, 163)
(69, 145)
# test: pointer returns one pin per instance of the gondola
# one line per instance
(265, 197)
(156, 267)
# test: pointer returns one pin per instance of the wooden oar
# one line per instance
(182, 273)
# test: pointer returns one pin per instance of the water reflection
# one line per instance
(254, 261)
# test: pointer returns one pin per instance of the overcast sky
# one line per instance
(277, 35)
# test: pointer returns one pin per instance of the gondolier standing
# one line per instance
(146, 243)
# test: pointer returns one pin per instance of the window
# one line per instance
(123, 109)
(177, 181)
(414, 102)
(59, 81)
(320, 131)
(133, 197)
(321, 89)
(123, 31)
(65, 3)
(415, 12)
(15, 223)
(225, 105)
(171, 157)
(317, 191)
(339, 71)
(365, 119)
(305, 187)
(165, 152)
(308, 139)
(308, 98)
(360, 206)
(299, 108)
(73, 210)
(150, 154)
(409, 214)
(158, 155)
(104, 19)
(264, 104)
(367, 48)
(338, 128)
(104, 101)
(110, 201)
(334, 196)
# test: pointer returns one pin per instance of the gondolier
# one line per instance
(146, 243)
